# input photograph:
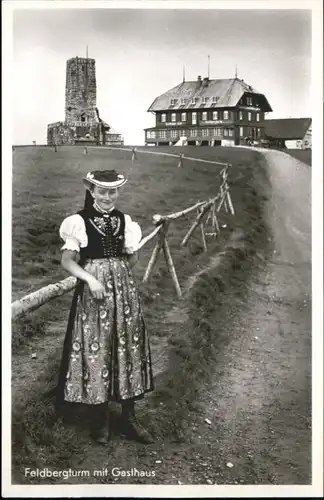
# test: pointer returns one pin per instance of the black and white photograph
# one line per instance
(163, 241)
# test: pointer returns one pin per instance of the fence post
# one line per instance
(156, 252)
(171, 268)
(230, 204)
(180, 163)
(195, 224)
(202, 230)
(223, 195)
(134, 156)
(85, 151)
(214, 219)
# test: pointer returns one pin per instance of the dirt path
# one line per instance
(257, 401)
(262, 401)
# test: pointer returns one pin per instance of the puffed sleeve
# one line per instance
(133, 235)
(73, 233)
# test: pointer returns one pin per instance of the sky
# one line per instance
(140, 54)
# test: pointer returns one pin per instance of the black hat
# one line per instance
(104, 178)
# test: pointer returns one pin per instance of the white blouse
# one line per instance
(73, 233)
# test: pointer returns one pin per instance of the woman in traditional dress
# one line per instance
(106, 353)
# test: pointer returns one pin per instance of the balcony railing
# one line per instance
(199, 134)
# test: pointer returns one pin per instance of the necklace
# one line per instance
(96, 207)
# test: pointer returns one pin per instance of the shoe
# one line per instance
(101, 436)
(100, 429)
(132, 429)
(135, 431)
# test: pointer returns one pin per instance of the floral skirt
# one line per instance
(106, 353)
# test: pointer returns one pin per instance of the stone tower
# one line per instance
(82, 124)
(80, 92)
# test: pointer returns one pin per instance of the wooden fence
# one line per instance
(206, 214)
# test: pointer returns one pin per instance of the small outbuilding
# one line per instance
(290, 133)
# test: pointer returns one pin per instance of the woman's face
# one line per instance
(104, 197)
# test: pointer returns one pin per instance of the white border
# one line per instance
(163, 491)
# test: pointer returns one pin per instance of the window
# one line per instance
(205, 132)
(225, 132)
(215, 99)
(194, 118)
(183, 101)
(230, 132)
(162, 134)
(193, 132)
(249, 116)
(225, 115)
(173, 117)
(218, 131)
(183, 133)
(151, 134)
(241, 132)
(193, 100)
(215, 115)
(204, 100)
(258, 117)
(163, 118)
(258, 132)
(173, 102)
(183, 117)
(174, 133)
(241, 115)
(249, 101)
(204, 116)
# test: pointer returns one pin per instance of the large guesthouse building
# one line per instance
(208, 112)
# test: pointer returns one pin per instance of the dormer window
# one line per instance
(249, 101)
(215, 99)
(173, 102)
(183, 101)
(193, 100)
(204, 100)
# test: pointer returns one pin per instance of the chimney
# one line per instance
(199, 78)
(205, 81)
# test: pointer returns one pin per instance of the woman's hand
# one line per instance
(97, 289)
(69, 263)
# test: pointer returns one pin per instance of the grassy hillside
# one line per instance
(46, 188)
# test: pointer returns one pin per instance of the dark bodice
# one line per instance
(105, 232)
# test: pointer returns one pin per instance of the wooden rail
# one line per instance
(180, 156)
(205, 209)
(37, 299)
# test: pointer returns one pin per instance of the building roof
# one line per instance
(112, 131)
(287, 128)
(228, 91)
